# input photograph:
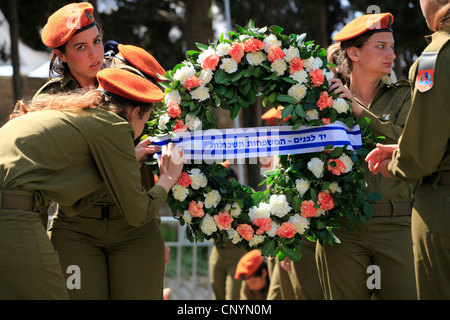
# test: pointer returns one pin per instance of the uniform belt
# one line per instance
(395, 209)
(440, 177)
(18, 200)
(101, 211)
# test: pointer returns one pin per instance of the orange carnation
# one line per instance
(274, 53)
(295, 65)
(317, 77)
(180, 126)
(174, 110)
(237, 51)
(192, 82)
(184, 180)
(338, 169)
(263, 224)
(245, 231)
(196, 209)
(223, 220)
(252, 45)
(286, 230)
(325, 101)
(211, 62)
(307, 209)
(325, 201)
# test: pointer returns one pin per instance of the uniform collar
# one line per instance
(69, 81)
(437, 34)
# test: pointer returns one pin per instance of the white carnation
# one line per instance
(198, 179)
(328, 74)
(273, 230)
(291, 53)
(222, 49)
(206, 75)
(340, 105)
(235, 210)
(184, 72)
(278, 205)
(312, 114)
(255, 58)
(208, 225)
(179, 192)
(279, 66)
(229, 65)
(212, 199)
(234, 236)
(297, 91)
(193, 123)
(257, 239)
(163, 120)
(172, 96)
(205, 54)
(318, 63)
(319, 212)
(334, 187)
(315, 165)
(260, 211)
(200, 93)
(300, 224)
(308, 64)
(271, 40)
(302, 186)
(347, 162)
(187, 217)
(300, 76)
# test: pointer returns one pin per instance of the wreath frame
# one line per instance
(236, 91)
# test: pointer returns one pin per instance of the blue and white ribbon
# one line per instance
(238, 143)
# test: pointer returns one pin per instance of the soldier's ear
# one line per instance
(353, 53)
(60, 55)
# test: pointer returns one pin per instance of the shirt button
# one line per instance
(373, 180)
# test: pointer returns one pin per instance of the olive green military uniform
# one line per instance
(222, 268)
(58, 85)
(301, 282)
(75, 171)
(386, 241)
(424, 153)
(119, 261)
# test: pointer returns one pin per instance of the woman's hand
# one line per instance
(378, 159)
(170, 165)
(143, 149)
(338, 88)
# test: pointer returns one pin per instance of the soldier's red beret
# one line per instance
(366, 23)
(64, 23)
(248, 264)
(141, 60)
(127, 85)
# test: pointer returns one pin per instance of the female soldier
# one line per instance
(120, 261)
(107, 258)
(364, 55)
(423, 153)
(76, 40)
(91, 153)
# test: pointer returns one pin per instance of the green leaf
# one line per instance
(234, 111)
(296, 203)
(374, 196)
(290, 254)
(286, 98)
(276, 29)
(201, 46)
(268, 248)
(299, 110)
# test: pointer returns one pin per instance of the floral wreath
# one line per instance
(307, 195)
